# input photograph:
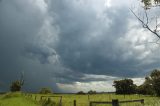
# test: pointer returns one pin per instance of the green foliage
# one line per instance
(45, 91)
(156, 86)
(125, 86)
(92, 92)
(151, 85)
(15, 86)
(155, 77)
(145, 89)
(155, 74)
(149, 3)
(146, 2)
(81, 93)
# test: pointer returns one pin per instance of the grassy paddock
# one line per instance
(17, 99)
(83, 100)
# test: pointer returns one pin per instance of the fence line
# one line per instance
(60, 101)
(128, 101)
(115, 102)
(41, 97)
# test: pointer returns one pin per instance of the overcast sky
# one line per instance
(73, 45)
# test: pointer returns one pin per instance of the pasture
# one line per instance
(18, 99)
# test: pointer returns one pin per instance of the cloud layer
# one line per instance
(61, 43)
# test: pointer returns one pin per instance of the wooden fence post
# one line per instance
(60, 102)
(35, 97)
(115, 102)
(74, 103)
(142, 101)
(41, 97)
(90, 103)
(109, 96)
(88, 98)
(49, 100)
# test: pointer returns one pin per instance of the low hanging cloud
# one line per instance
(67, 43)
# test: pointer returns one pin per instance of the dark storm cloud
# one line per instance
(87, 44)
(20, 22)
(38, 52)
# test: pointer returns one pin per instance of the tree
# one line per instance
(91, 92)
(146, 88)
(45, 91)
(81, 93)
(17, 85)
(125, 86)
(151, 85)
(155, 74)
(150, 19)
(155, 77)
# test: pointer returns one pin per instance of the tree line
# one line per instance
(151, 85)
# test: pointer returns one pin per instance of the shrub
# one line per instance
(45, 91)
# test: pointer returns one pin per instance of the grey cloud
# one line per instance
(86, 44)
(21, 22)
(39, 52)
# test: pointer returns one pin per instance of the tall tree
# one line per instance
(152, 84)
(146, 88)
(125, 86)
(155, 77)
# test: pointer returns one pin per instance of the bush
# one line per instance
(45, 91)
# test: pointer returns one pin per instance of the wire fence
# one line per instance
(89, 100)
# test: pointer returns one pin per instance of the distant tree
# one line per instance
(92, 92)
(81, 93)
(45, 91)
(17, 85)
(125, 86)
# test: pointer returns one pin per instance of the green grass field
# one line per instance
(17, 99)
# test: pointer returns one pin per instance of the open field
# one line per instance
(18, 99)
(83, 100)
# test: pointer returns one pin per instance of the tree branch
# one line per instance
(145, 25)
